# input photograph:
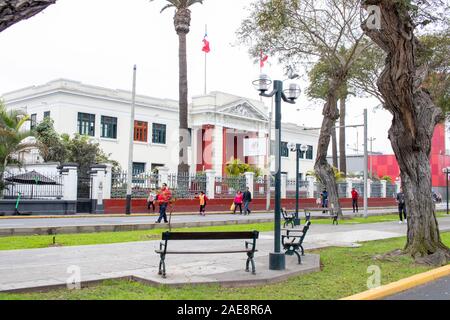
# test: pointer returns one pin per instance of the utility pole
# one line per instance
(130, 149)
(365, 164)
(371, 139)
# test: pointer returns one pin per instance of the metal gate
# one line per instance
(84, 195)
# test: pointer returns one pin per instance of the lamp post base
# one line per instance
(296, 220)
(277, 261)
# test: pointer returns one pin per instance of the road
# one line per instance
(436, 290)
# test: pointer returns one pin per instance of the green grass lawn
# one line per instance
(344, 273)
(31, 242)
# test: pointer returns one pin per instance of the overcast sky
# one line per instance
(98, 41)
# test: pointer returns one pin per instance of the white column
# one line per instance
(283, 185)
(398, 184)
(107, 183)
(163, 175)
(70, 181)
(369, 187)
(217, 149)
(249, 180)
(349, 188)
(210, 183)
(310, 180)
(98, 172)
(383, 188)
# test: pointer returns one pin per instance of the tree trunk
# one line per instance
(13, 11)
(182, 21)
(323, 170)
(411, 132)
(342, 145)
(334, 147)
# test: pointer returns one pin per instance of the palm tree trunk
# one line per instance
(342, 145)
(414, 119)
(13, 11)
(183, 166)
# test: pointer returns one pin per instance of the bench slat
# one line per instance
(202, 252)
(209, 235)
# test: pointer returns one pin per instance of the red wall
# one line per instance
(387, 164)
(184, 205)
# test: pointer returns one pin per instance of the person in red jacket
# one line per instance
(164, 197)
(355, 196)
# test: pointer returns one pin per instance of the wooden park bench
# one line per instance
(330, 211)
(250, 246)
(293, 241)
(289, 218)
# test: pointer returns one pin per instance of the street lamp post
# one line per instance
(446, 171)
(277, 259)
(298, 149)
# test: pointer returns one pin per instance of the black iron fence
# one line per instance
(226, 187)
(291, 188)
(33, 185)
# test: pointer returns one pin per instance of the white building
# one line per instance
(219, 123)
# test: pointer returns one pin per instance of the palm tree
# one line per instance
(14, 11)
(182, 20)
(12, 137)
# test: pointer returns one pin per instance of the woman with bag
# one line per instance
(238, 202)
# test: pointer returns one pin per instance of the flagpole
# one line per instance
(205, 61)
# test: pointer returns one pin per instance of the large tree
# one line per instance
(307, 31)
(182, 21)
(414, 117)
(13, 11)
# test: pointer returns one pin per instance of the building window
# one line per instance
(159, 133)
(86, 124)
(138, 167)
(155, 166)
(33, 121)
(109, 127)
(309, 153)
(46, 114)
(284, 149)
(140, 131)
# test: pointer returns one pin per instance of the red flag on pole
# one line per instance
(205, 48)
(263, 58)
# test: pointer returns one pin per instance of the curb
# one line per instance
(401, 285)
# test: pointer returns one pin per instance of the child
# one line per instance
(202, 197)
(238, 202)
(151, 200)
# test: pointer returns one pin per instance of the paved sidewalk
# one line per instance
(27, 226)
(21, 269)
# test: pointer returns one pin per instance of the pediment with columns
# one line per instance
(243, 109)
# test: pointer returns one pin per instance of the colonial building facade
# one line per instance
(222, 127)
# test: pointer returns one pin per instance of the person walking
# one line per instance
(238, 201)
(324, 197)
(151, 200)
(164, 197)
(401, 206)
(202, 198)
(247, 198)
(355, 196)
